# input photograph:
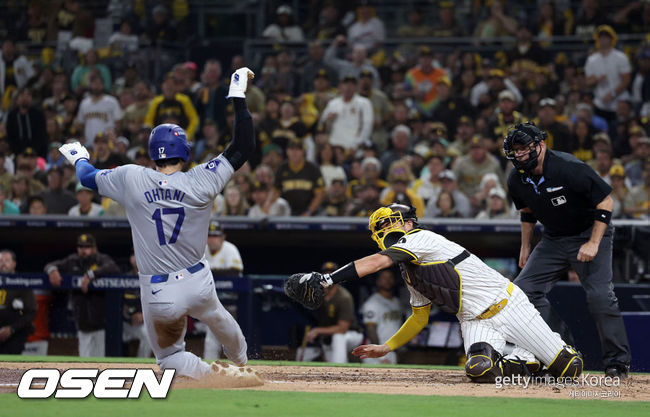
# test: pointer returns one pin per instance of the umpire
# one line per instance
(573, 204)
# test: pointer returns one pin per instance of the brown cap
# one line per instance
(617, 170)
(296, 143)
(215, 229)
(424, 51)
(465, 120)
(101, 137)
(86, 240)
(476, 142)
(322, 73)
(366, 73)
(329, 266)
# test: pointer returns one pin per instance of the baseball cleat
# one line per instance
(239, 82)
(232, 371)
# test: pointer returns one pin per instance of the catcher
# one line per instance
(490, 308)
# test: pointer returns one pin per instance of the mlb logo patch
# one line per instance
(161, 153)
(212, 165)
(162, 183)
(558, 201)
(179, 276)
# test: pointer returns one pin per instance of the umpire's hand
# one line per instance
(588, 251)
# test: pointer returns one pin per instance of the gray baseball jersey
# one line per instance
(169, 214)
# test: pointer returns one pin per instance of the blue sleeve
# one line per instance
(86, 173)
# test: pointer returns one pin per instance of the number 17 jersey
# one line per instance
(169, 214)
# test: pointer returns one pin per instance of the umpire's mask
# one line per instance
(524, 135)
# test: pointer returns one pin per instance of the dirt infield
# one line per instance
(376, 380)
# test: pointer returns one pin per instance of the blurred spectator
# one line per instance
(470, 169)
(353, 67)
(86, 207)
(313, 103)
(236, 204)
(209, 146)
(526, 53)
(585, 112)
(450, 109)
(619, 190)
(104, 157)
(124, 85)
(98, 112)
(27, 164)
(448, 26)
(602, 163)
(448, 184)
(415, 26)
(59, 93)
(401, 141)
(464, 134)
(6, 206)
(211, 97)
(634, 135)
(581, 142)
(588, 18)
(173, 107)
(368, 30)
(57, 199)
(370, 168)
(134, 114)
(89, 306)
(329, 23)
(366, 201)
(634, 17)
(161, 29)
(488, 182)
(382, 315)
(82, 74)
(446, 205)
(19, 192)
(299, 181)
(327, 164)
(335, 202)
(634, 168)
(290, 126)
(286, 78)
(36, 206)
(265, 203)
(26, 125)
(17, 310)
(497, 24)
(421, 82)
(559, 136)
(15, 71)
(70, 20)
(505, 118)
(497, 206)
(428, 184)
(124, 40)
(272, 156)
(608, 72)
(314, 66)
(336, 330)
(487, 91)
(381, 105)
(550, 23)
(637, 201)
(349, 116)
(284, 30)
(399, 178)
(5, 174)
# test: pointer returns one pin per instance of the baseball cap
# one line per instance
(447, 174)
(123, 140)
(329, 266)
(322, 73)
(366, 73)
(602, 137)
(444, 80)
(86, 240)
(547, 101)
(507, 95)
(476, 142)
(496, 73)
(497, 192)
(284, 9)
(101, 137)
(190, 65)
(349, 78)
(270, 148)
(370, 160)
(339, 177)
(295, 143)
(29, 152)
(636, 130)
(259, 186)
(142, 153)
(465, 120)
(215, 229)
(424, 51)
(617, 170)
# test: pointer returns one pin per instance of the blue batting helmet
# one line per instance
(168, 141)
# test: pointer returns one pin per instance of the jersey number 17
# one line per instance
(157, 216)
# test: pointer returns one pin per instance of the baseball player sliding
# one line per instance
(169, 212)
(491, 309)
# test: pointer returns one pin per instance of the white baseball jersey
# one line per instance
(612, 66)
(385, 313)
(157, 205)
(481, 285)
(353, 123)
(227, 258)
(98, 116)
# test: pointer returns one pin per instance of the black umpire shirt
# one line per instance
(564, 197)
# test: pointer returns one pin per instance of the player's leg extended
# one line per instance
(596, 279)
(482, 346)
(523, 325)
(165, 320)
(207, 308)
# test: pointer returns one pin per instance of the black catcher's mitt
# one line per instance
(306, 289)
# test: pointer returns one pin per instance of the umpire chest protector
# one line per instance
(440, 282)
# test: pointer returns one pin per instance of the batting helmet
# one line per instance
(523, 134)
(168, 141)
(387, 220)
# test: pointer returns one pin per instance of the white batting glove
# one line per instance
(74, 151)
(239, 81)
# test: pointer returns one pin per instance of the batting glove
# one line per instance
(239, 81)
(74, 151)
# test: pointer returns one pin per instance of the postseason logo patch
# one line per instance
(212, 165)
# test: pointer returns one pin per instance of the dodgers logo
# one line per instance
(161, 152)
(73, 152)
(236, 78)
(212, 165)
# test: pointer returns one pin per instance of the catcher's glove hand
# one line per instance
(306, 289)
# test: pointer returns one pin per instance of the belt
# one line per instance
(156, 279)
(495, 308)
(459, 258)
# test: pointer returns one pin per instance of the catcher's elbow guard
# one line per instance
(483, 363)
(566, 364)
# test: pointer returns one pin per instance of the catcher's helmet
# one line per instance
(168, 141)
(386, 221)
(523, 134)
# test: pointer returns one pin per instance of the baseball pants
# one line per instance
(336, 351)
(518, 323)
(165, 307)
(92, 344)
(554, 255)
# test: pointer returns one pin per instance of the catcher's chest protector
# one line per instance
(439, 282)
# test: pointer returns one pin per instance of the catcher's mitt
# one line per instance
(306, 289)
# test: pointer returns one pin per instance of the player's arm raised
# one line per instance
(243, 144)
(79, 157)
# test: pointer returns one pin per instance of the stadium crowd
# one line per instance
(348, 127)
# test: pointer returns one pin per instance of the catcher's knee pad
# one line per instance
(511, 367)
(483, 363)
(567, 363)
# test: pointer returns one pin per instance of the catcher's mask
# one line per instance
(524, 135)
(385, 224)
